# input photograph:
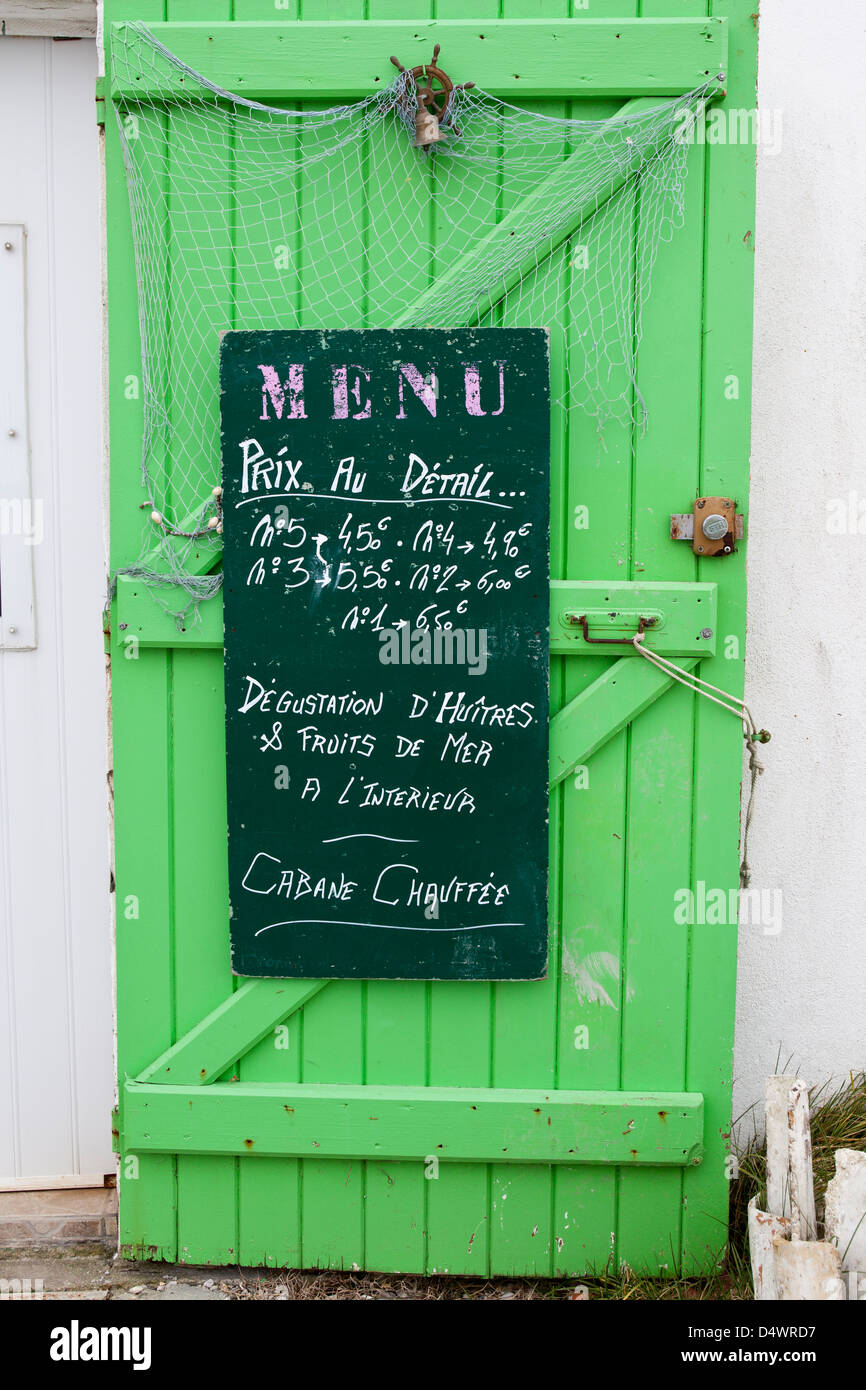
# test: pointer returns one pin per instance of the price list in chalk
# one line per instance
(386, 559)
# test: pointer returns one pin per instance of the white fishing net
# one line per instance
(255, 217)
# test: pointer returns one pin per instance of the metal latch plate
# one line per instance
(713, 526)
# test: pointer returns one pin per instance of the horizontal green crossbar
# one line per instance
(684, 616)
(519, 58)
(685, 612)
(414, 1122)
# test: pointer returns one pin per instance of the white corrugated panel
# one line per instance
(55, 958)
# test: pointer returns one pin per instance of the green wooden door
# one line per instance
(542, 1128)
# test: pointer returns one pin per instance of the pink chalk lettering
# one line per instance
(342, 392)
(425, 389)
(276, 391)
(473, 391)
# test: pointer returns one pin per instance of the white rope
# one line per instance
(700, 687)
(751, 733)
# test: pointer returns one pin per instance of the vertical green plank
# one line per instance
(332, 272)
(333, 1034)
(591, 990)
(396, 1192)
(266, 291)
(718, 742)
(396, 1048)
(125, 384)
(206, 1187)
(198, 284)
(207, 1223)
(524, 1042)
(145, 1020)
(399, 184)
(660, 753)
(396, 1012)
(458, 1200)
(333, 1189)
(269, 1191)
(145, 1017)
(458, 1208)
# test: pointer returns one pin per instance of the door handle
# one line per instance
(583, 622)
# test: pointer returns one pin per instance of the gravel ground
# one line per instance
(94, 1272)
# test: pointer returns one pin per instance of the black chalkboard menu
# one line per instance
(386, 556)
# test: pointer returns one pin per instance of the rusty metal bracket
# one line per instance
(583, 621)
(712, 526)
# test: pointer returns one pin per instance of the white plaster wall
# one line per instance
(802, 993)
